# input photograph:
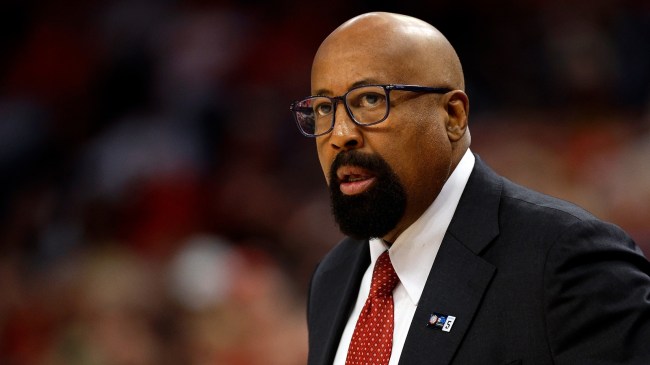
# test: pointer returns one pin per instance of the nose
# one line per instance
(346, 134)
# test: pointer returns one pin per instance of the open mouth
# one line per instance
(354, 180)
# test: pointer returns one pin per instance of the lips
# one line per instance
(354, 179)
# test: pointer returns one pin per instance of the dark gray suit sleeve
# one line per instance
(597, 297)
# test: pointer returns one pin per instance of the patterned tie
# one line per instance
(372, 340)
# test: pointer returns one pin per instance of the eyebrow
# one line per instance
(323, 92)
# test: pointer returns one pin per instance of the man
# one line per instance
(478, 270)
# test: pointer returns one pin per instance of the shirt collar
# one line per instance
(425, 234)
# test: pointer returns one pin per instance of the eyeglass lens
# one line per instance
(315, 115)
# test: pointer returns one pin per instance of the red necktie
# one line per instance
(372, 340)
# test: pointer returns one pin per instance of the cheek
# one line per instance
(423, 163)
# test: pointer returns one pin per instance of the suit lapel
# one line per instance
(455, 287)
(339, 293)
(459, 277)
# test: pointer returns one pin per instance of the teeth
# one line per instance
(353, 179)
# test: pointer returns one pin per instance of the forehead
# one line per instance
(343, 63)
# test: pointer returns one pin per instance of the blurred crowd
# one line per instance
(159, 206)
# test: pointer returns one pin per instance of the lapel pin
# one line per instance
(441, 322)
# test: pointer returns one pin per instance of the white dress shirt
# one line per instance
(411, 263)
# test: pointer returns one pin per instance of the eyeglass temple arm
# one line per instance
(437, 90)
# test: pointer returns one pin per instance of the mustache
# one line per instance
(370, 162)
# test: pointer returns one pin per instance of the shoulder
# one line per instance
(485, 182)
(547, 225)
(562, 225)
(493, 203)
(519, 200)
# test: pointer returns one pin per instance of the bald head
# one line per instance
(415, 49)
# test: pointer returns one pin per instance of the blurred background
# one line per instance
(159, 206)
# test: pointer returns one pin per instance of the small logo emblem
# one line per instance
(441, 322)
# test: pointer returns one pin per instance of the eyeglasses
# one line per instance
(366, 105)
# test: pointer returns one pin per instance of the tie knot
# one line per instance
(384, 278)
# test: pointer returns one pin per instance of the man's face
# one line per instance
(410, 148)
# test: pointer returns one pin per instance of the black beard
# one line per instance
(376, 211)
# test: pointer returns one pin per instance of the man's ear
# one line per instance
(458, 114)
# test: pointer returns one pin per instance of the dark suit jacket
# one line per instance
(530, 279)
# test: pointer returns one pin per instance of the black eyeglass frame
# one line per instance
(387, 89)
